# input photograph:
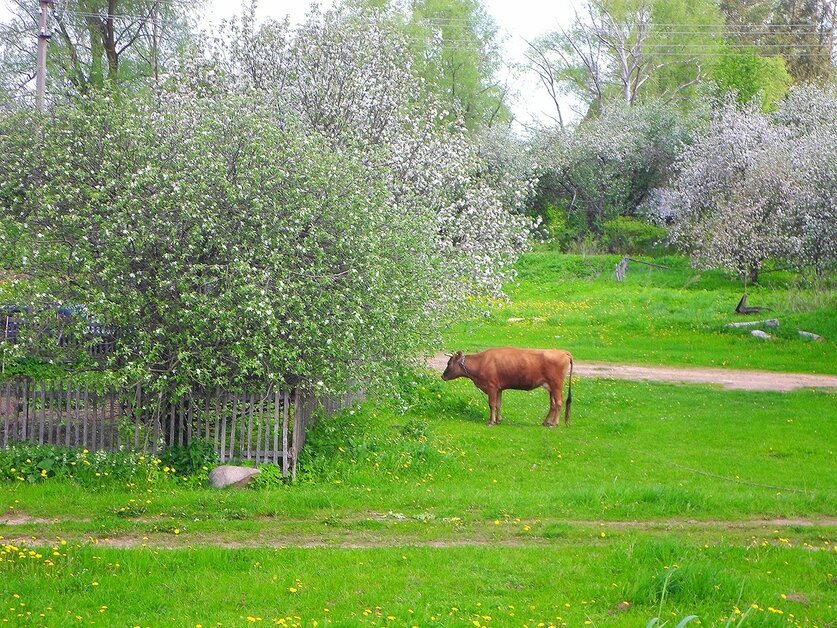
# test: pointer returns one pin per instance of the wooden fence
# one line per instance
(263, 427)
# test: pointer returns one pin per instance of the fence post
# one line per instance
(224, 430)
(259, 423)
(249, 427)
(285, 453)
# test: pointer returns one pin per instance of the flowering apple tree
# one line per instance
(757, 186)
(302, 218)
(347, 74)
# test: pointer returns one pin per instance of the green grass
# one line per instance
(656, 316)
(430, 510)
(659, 499)
(622, 582)
(633, 450)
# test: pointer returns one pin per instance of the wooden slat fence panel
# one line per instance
(260, 426)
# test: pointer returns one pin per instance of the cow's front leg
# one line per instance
(494, 406)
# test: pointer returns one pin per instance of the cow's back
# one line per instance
(523, 369)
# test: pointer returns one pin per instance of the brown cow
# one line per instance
(503, 368)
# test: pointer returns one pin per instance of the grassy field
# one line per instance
(659, 500)
(675, 315)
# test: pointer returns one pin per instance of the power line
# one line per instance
(734, 46)
(105, 16)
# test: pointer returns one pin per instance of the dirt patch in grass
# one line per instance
(20, 519)
(485, 535)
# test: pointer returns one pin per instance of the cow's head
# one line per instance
(455, 367)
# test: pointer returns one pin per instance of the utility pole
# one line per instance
(43, 42)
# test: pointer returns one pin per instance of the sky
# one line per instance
(517, 20)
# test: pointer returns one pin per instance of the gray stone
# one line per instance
(758, 333)
(808, 334)
(229, 475)
(770, 322)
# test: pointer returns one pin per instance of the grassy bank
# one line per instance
(673, 315)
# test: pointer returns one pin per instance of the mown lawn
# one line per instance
(659, 499)
(674, 315)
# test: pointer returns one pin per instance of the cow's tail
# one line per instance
(569, 395)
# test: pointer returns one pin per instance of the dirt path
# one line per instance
(728, 378)
(803, 532)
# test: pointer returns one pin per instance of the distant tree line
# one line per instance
(690, 127)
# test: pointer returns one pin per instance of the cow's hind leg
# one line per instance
(555, 404)
(558, 394)
(549, 421)
(554, 413)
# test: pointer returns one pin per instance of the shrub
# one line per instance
(632, 236)
(270, 477)
(198, 455)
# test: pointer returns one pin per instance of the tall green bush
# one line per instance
(632, 236)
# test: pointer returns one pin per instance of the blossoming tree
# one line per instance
(757, 186)
(297, 215)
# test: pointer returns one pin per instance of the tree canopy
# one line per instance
(289, 205)
(121, 43)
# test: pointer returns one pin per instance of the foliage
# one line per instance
(200, 243)
(272, 210)
(801, 32)
(270, 478)
(628, 52)
(750, 76)
(755, 187)
(121, 43)
(33, 463)
(456, 51)
(350, 76)
(632, 236)
(607, 166)
(197, 456)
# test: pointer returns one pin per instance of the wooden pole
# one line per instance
(43, 43)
